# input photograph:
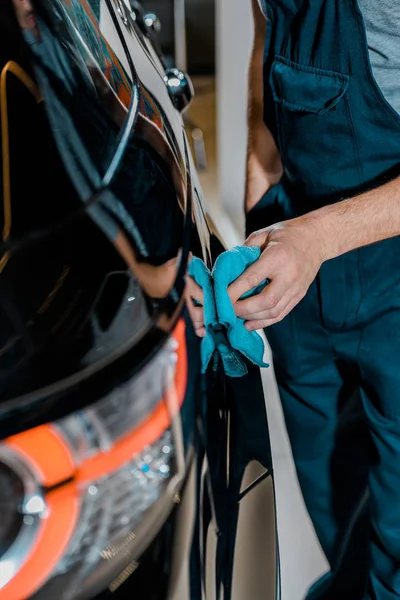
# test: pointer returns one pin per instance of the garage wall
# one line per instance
(234, 33)
(231, 22)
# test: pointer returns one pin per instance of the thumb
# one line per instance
(258, 238)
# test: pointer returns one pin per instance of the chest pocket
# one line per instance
(316, 137)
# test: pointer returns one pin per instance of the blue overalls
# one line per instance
(337, 354)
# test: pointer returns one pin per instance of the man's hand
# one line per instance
(292, 254)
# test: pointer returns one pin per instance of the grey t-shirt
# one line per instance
(382, 23)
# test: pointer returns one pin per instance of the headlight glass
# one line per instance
(84, 496)
(10, 499)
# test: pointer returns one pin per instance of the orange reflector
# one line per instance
(149, 431)
(47, 452)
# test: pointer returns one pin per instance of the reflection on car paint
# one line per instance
(88, 300)
(87, 23)
(146, 198)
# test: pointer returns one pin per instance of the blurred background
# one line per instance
(211, 40)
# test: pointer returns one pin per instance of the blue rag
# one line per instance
(226, 335)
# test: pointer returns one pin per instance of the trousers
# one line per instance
(337, 364)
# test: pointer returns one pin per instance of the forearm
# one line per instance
(357, 222)
(264, 167)
(292, 251)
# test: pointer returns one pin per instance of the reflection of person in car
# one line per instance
(157, 280)
(26, 17)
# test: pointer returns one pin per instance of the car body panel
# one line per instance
(92, 298)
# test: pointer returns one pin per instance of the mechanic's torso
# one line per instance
(336, 132)
(382, 24)
(337, 135)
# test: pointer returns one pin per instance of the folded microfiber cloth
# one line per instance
(226, 335)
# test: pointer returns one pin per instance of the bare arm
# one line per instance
(359, 221)
(293, 251)
(264, 168)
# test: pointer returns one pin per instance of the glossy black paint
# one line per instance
(92, 277)
(77, 323)
(105, 211)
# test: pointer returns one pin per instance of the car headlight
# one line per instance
(82, 497)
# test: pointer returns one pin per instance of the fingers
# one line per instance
(257, 238)
(194, 292)
(272, 313)
(264, 268)
(272, 299)
(256, 324)
(197, 317)
(250, 279)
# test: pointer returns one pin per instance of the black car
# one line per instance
(117, 455)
